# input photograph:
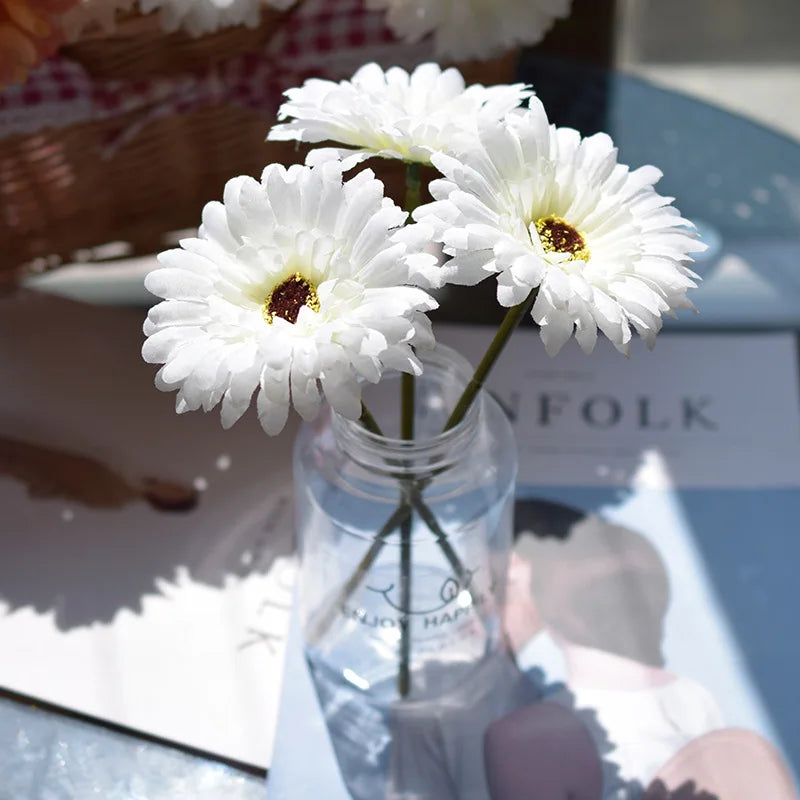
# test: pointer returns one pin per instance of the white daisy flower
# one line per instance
(466, 29)
(296, 286)
(543, 208)
(199, 17)
(390, 114)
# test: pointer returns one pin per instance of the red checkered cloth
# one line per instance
(320, 38)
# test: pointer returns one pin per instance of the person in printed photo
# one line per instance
(585, 616)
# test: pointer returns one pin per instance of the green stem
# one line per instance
(413, 187)
(320, 625)
(369, 422)
(512, 318)
(407, 381)
(413, 195)
(406, 406)
(406, 432)
(429, 518)
(404, 673)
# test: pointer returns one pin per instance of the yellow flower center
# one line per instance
(288, 297)
(558, 236)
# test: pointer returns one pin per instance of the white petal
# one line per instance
(509, 291)
(178, 284)
(586, 332)
(160, 345)
(184, 360)
(343, 394)
(556, 329)
(271, 414)
(238, 395)
(177, 312)
(305, 394)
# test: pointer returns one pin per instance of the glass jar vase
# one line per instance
(404, 549)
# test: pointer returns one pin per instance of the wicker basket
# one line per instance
(138, 48)
(58, 195)
(61, 196)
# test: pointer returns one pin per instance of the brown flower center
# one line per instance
(558, 236)
(288, 297)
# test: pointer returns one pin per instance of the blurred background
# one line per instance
(742, 55)
(109, 151)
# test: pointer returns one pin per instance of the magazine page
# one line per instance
(146, 558)
(651, 596)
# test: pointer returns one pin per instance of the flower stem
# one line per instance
(413, 187)
(513, 317)
(406, 406)
(404, 673)
(412, 200)
(319, 626)
(412, 500)
(369, 422)
(402, 518)
(406, 432)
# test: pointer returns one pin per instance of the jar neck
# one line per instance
(433, 450)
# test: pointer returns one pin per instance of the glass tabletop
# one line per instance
(45, 755)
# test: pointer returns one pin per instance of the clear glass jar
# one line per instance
(387, 611)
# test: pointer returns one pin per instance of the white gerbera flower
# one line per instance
(199, 17)
(295, 284)
(465, 29)
(390, 114)
(542, 207)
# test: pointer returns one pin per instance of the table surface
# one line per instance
(54, 756)
(737, 180)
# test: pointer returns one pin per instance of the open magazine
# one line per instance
(146, 559)
(651, 602)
